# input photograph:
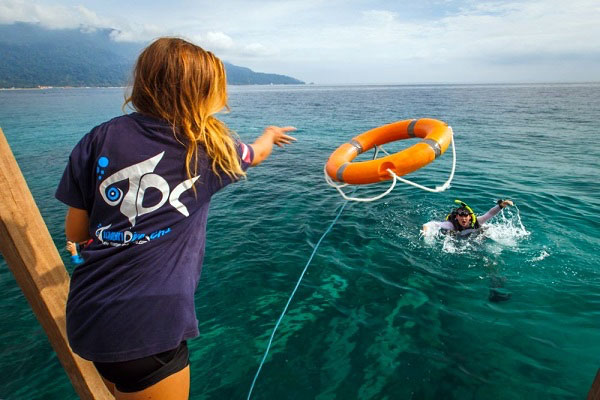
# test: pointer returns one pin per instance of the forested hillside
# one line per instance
(32, 56)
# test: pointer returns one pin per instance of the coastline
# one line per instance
(124, 87)
(62, 87)
(408, 84)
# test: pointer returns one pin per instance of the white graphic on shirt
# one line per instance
(174, 197)
(140, 177)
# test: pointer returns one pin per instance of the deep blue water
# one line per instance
(383, 312)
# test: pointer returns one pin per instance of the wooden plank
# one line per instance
(37, 267)
(594, 393)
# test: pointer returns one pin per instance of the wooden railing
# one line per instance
(29, 251)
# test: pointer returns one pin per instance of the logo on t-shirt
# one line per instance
(123, 238)
(141, 177)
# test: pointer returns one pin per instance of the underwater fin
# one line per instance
(497, 296)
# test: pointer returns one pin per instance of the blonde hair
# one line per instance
(185, 85)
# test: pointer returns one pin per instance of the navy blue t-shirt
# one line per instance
(134, 294)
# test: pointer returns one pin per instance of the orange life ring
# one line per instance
(436, 136)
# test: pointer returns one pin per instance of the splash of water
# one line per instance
(543, 254)
(508, 230)
(432, 235)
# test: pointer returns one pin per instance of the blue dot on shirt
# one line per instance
(103, 162)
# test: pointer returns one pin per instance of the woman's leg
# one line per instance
(173, 387)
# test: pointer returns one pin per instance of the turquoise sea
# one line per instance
(383, 312)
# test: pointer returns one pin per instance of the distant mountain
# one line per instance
(245, 76)
(32, 56)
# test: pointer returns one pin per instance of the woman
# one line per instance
(140, 185)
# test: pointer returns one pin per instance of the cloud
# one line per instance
(79, 17)
(515, 29)
(75, 17)
(257, 50)
(218, 41)
(379, 16)
(225, 47)
(139, 33)
(471, 40)
(435, 40)
(53, 17)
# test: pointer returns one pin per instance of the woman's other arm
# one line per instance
(77, 225)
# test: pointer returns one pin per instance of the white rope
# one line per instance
(331, 183)
(437, 189)
(262, 362)
(446, 184)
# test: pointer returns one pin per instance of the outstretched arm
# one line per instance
(446, 225)
(494, 210)
(264, 144)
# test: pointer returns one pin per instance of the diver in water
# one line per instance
(462, 221)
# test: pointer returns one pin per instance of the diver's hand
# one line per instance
(504, 203)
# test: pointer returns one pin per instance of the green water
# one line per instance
(382, 313)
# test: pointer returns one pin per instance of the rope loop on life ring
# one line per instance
(436, 135)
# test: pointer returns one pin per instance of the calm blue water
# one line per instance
(383, 313)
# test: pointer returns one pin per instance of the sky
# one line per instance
(358, 41)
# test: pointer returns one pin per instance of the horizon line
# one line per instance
(45, 87)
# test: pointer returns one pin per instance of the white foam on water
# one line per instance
(543, 254)
(506, 230)
(430, 233)
(450, 244)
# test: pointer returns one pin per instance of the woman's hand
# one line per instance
(505, 203)
(71, 248)
(271, 135)
(280, 136)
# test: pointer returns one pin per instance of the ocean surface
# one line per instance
(383, 311)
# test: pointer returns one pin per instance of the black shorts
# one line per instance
(139, 374)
